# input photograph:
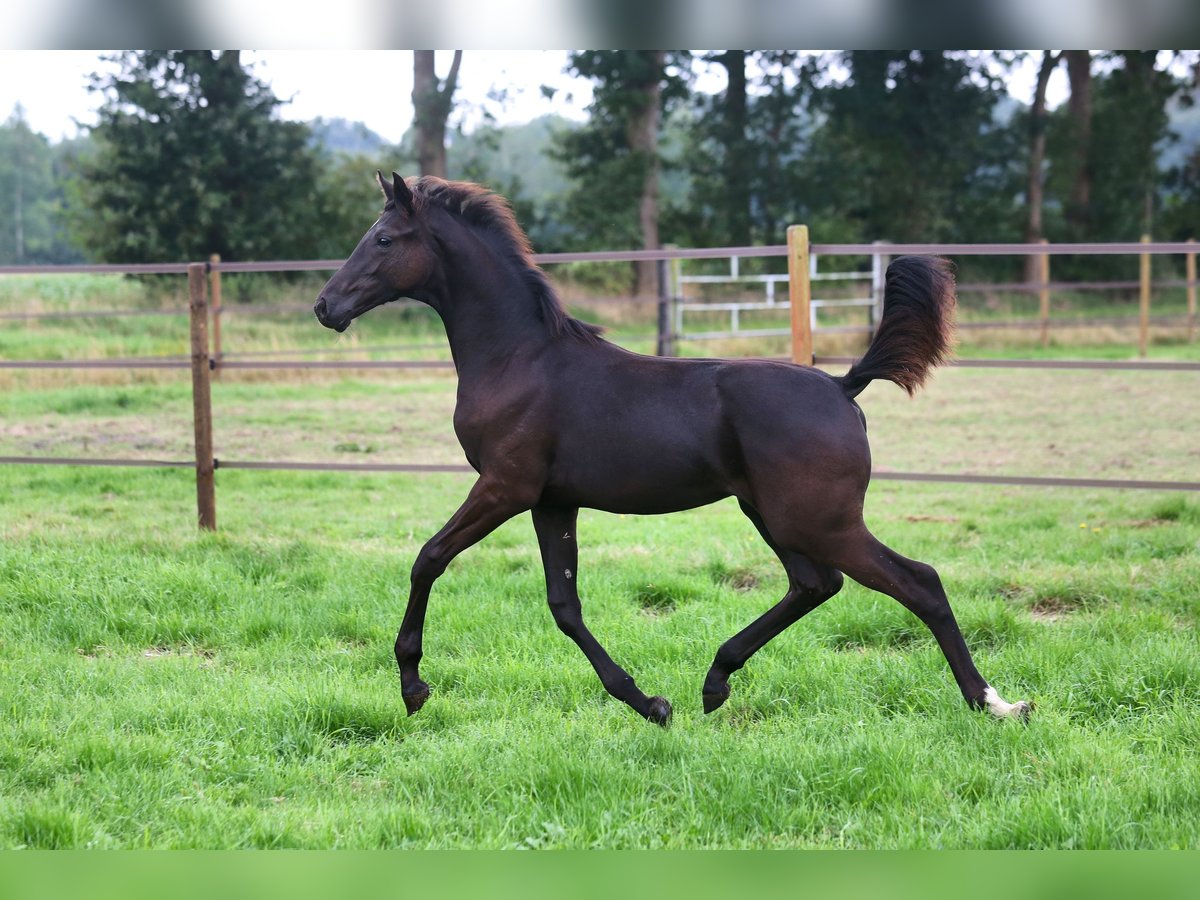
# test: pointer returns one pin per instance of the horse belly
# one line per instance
(637, 474)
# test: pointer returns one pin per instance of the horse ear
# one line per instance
(401, 193)
(385, 187)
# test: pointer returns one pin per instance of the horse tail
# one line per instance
(917, 327)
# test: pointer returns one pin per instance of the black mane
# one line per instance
(489, 212)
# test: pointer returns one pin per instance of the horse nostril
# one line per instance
(320, 308)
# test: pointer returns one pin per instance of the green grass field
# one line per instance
(165, 688)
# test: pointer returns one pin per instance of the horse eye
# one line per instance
(385, 242)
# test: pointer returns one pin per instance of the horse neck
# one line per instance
(488, 308)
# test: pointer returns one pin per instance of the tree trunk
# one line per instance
(1037, 158)
(737, 156)
(18, 217)
(1139, 64)
(643, 141)
(1079, 71)
(432, 101)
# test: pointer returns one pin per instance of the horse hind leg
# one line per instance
(809, 585)
(919, 589)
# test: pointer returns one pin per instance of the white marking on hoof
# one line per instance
(1002, 709)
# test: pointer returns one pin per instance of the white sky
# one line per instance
(370, 86)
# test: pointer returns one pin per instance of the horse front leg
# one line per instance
(487, 506)
(560, 558)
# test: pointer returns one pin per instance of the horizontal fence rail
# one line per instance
(459, 468)
(98, 461)
(206, 276)
(880, 249)
(1109, 364)
(1126, 248)
(183, 363)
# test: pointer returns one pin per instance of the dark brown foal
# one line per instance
(554, 418)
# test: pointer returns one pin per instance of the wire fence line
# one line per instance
(182, 362)
(459, 468)
(258, 309)
(1126, 248)
(201, 361)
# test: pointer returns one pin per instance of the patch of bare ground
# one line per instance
(1049, 607)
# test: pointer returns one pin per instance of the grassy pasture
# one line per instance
(167, 689)
(163, 688)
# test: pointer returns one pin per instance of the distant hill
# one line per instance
(509, 155)
(343, 136)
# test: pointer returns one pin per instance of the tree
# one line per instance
(1079, 160)
(614, 160)
(909, 147)
(346, 198)
(732, 133)
(742, 144)
(1180, 216)
(1130, 111)
(30, 196)
(190, 158)
(1113, 185)
(1035, 188)
(433, 99)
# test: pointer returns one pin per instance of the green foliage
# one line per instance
(31, 196)
(909, 150)
(606, 170)
(1130, 116)
(192, 159)
(742, 152)
(516, 161)
(346, 200)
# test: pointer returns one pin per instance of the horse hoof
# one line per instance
(417, 698)
(1021, 711)
(660, 711)
(714, 702)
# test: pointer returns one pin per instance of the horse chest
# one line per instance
(491, 425)
(469, 427)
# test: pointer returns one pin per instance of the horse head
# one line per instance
(394, 258)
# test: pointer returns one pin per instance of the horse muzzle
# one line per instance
(337, 323)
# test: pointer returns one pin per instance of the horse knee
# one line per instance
(567, 615)
(429, 565)
(926, 577)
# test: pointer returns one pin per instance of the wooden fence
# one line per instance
(207, 356)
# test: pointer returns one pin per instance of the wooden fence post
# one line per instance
(206, 500)
(1144, 320)
(665, 343)
(800, 294)
(1191, 293)
(1044, 293)
(214, 292)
